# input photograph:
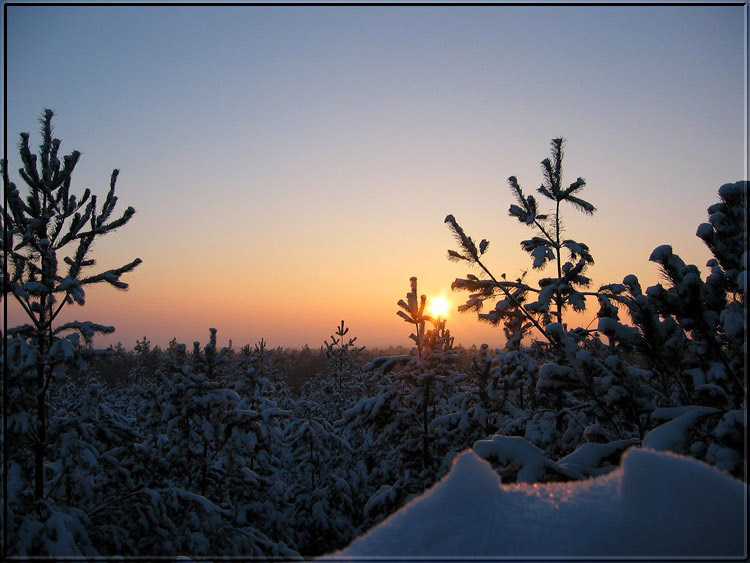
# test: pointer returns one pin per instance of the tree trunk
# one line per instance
(41, 436)
(312, 462)
(41, 404)
(425, 436)
(558, 297)
(204, 473)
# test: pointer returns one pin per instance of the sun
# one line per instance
(439, 307)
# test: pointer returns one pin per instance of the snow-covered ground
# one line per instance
(655, 504)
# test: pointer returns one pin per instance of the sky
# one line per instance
(292, 166)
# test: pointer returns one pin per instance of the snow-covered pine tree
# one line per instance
(48, 227)
(403, 448)
(554, 294)
(674, 379)
(426, 371)
(339, 386)
(567, 387)
(690, 334)
(320, 489)
(522, 307)
(259, 352)
(146, 359)
(342, 355)
(202, 441)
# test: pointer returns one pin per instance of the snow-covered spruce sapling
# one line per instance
(554, 294)
(476, 405)
(690, 332)
(498, 396)
(342, 354)
(711, 311)
(146, 359)
(687, 333)
(409, 399)
(259, 351)
(574, 383)
(428, 371)
(323, 508)
(205, 421)
(340, 384)
(252, 369)
(52, 225)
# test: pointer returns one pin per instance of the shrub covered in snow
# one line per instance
(672, 376)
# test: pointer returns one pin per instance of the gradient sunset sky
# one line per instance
(292, 166)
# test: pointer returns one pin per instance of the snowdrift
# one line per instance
(654, 504)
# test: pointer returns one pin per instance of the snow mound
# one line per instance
(654, 504)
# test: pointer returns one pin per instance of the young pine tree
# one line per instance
(342, 355)
(50, 235)
(554, 294)
(399, 439)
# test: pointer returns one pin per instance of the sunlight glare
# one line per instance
(439, 307)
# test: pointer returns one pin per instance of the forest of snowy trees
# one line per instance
(256, 450)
